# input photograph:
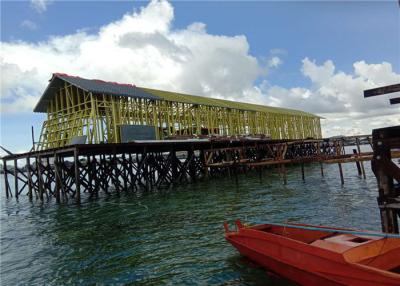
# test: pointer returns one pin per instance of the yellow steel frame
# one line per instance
(73, 112)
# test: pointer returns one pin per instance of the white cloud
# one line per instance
(28, 24)
(40, 5)
(140, 48)
(338, 96)
(274, 62)
(144, 49)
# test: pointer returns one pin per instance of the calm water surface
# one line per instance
(172, 237)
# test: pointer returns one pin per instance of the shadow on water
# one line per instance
(172, 236)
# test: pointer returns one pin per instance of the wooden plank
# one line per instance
(395, 100)
(382, 90)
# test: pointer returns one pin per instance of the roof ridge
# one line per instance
(58, 74)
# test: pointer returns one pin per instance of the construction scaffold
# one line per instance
(98, 111)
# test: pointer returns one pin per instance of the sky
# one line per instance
(316, 56)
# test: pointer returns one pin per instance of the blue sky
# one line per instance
(342, 33)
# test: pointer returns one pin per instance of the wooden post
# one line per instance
(48, 179)
(28, 165)
(6, 178)
(39, 176)
(33, 138)
(341, 173)
(228, 159)
(76, 173)
(302, 171)
(125, 173)
(192, 167)
(61, 175)
(16, 178)
(89, 174)
(115, 170)
(93, 166)
(58, 179)
(357, 163)
(361, 162)
(132, 181)
(384, 170)
(174, 166)
(320, 160)
(322, 168)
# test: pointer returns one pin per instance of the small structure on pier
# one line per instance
(93, 111)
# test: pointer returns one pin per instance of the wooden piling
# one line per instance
(385, 171)
(361, 162)
(29, 169)
(156, 164)
(115, 172)
(124, 171)
(16, 191)
(58, 178)
(174, 166)
(357, 163)
(6, 184)
(341, 173)
(322, 168)
(77, 180)
(39, 177)
(192, 167)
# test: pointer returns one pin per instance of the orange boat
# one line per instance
(314, 255)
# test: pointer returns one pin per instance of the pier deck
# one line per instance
(65, 173)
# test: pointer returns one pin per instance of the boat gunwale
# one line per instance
(337, 231)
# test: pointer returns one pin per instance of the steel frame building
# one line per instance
(97, 109)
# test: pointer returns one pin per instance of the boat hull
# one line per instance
(287, 271)
(311, 264)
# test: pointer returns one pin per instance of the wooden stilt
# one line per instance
(29, 169)
(341, 173)
(153, 166)
(76, 173)
(16, 191)
(361, 162)
(357, 163)
(6, 183)
(39, 176)
(322, 168)
(386, 171)
(58, 179)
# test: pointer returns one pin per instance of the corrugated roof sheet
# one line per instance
(186, 98)
(90, 85)
(113, 88)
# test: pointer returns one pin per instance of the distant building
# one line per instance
(96, 111)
